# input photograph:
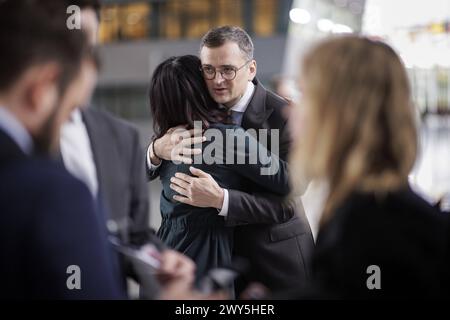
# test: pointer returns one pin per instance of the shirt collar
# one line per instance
(243, 102)
(12, 126)
(75, 116)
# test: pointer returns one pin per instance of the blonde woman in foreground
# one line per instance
(377, 238)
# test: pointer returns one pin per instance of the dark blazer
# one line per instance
(48, 222)
(399, 232)
(119, 160)
(274, 234)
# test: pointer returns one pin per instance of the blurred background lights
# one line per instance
(300, 16)
(325, 25)
(341, 28)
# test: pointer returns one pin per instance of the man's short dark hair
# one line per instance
(218, 36)
(34, 32)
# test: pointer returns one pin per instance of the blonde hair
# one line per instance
(361, 133)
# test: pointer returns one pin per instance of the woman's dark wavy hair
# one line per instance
(179, 96)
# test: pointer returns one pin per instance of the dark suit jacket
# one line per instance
(119, 160)
(273, 234)
(400, 233)
(47, 223)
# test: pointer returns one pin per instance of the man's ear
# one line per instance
(252, 70)
(41, 89)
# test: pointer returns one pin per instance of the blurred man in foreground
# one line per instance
(52, 245)
(53, 239)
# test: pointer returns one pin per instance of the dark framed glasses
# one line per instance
(227, 72)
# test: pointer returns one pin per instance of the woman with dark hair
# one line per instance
(178, 96)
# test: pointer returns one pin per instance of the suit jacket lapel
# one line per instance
(106, 157)
(96, 136)
(257, 110)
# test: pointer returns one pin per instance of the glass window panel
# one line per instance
(171, 19)
(134, 20)
(229, 12)
(198, 17)
(109, 24)
(264, 17)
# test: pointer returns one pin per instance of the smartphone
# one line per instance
(147, 255)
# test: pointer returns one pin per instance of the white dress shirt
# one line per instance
(77, 153)
(243, 102)
(240, 106)
(12, 127)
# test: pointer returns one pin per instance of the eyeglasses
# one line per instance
(227, 72)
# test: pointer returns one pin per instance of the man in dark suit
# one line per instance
(52, 243)
(271, 233)
(105, 153)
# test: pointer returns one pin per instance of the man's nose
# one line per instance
(219, 78)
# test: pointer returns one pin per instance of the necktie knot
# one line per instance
(236, 117)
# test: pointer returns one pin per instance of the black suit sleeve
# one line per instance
(253, 161)
(262, 207)
(140, 232)
(267, 208)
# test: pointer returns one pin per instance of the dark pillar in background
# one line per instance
(155, 22)
(247, 12)
(283, 16)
